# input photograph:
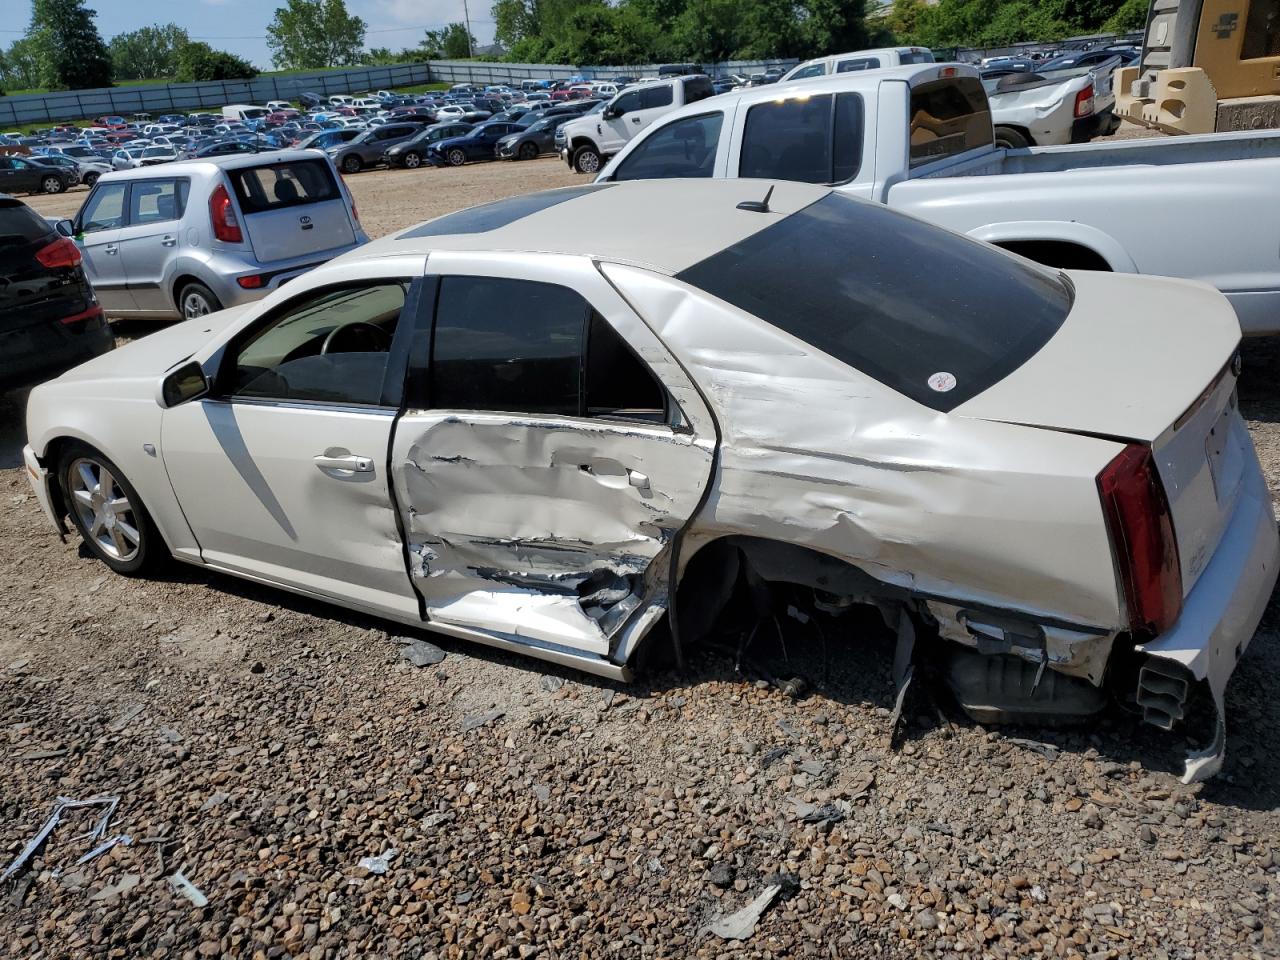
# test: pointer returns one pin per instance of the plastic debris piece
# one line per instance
(124, 885)
(380, 864)
(61, 806)
(180, 884)
(123, 840)
(741, 925)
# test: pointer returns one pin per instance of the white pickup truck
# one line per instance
(919, 138)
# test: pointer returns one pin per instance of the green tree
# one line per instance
(312, 34)
(708, 31)
(1132, 15)
(451, 43)
(834, 26)
(68, 46)
(22, 70)
(200, 62)
(148, 52)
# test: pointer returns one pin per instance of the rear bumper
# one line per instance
(1085, 129)
(1223, 610)
(43, 350)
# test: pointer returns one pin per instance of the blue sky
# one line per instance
(241, 25)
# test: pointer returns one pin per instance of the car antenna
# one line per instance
(758, 206)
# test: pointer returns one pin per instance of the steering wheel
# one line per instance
(356, 337)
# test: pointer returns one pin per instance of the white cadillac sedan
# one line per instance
(544, 422)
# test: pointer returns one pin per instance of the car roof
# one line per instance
(232, 161)
(670, 224)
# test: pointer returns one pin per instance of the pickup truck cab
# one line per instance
(858, 60)
(591, 140)
(920, 139)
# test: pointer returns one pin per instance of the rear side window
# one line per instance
(861, 63)
(288, 184)
(655, 96)
(845, 276)
(948, 117)
(19, 224)
(813, 70)
(152, 201)
(810, 139)
(684, 148)
(698, 88)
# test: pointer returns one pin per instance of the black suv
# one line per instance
(50, 319)
(20, 175)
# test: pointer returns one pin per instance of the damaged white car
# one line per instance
(524, 430)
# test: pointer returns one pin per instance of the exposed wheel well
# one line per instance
(1063, 254)
(178, 284)
(584, 142)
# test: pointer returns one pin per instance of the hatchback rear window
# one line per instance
(19, 224)
(933, 315)
(289, 184)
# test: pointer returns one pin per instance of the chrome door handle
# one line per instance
(168, 241)
(111, 248)
(352, 464)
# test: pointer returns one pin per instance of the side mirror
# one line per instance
(188, 382)
(65, 227)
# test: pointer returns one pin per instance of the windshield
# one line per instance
(981, 314)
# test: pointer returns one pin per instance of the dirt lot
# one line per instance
(264, 745)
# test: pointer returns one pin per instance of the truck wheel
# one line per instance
(197, 300)
(1011, 138)
(412, 160)
(52, 185)
(351, 163)
(586, 160)
(528, 151)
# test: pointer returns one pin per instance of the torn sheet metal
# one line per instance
(61, 806)
(741, 925)
(179, 884)
(122, 840)
(538, 528)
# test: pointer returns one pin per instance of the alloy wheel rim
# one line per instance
(51, 185)
(412, 160)
(104, 509)
(457, 158)
(194, 305)
(589, 163)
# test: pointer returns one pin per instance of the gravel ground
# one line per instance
(263, 745)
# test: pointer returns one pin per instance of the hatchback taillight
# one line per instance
(61, 253)
(222, 215)
(1084, 101)
(1142, 537)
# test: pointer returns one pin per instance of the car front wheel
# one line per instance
(586, 160)
(351, 164)
(197, 300)
(412, 160)
(456, 157)
(107, 512)
(91, 178)
(528, 151)
(52, 185)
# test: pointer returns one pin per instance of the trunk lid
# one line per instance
(292, 209)
(1148, 360)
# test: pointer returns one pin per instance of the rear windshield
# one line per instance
(20, 225)
(948, 117)
(917, 56)
(289, 184)
(933, 315)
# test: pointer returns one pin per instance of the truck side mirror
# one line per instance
(186, 383)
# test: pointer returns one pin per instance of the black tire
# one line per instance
(190, 298)
(456, 157)
(149, 549)
(412, 159)
(351, 163)
(528, 151)
(52, 184)
(91, 178)
(1011, 138)
(587, 159)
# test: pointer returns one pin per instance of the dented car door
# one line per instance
(550, 452)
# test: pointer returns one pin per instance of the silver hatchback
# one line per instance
(193, 237)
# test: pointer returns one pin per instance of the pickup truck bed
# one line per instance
(1143, 206)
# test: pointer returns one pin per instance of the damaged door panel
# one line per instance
(541, 490)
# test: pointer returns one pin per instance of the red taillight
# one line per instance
(350, 198)
(251, 282)
(1142, 536)
(223, 216)
(1084, 101)
(61, 253)
(91, 314)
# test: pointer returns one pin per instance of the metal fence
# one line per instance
(38, 108)
(28, 110)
